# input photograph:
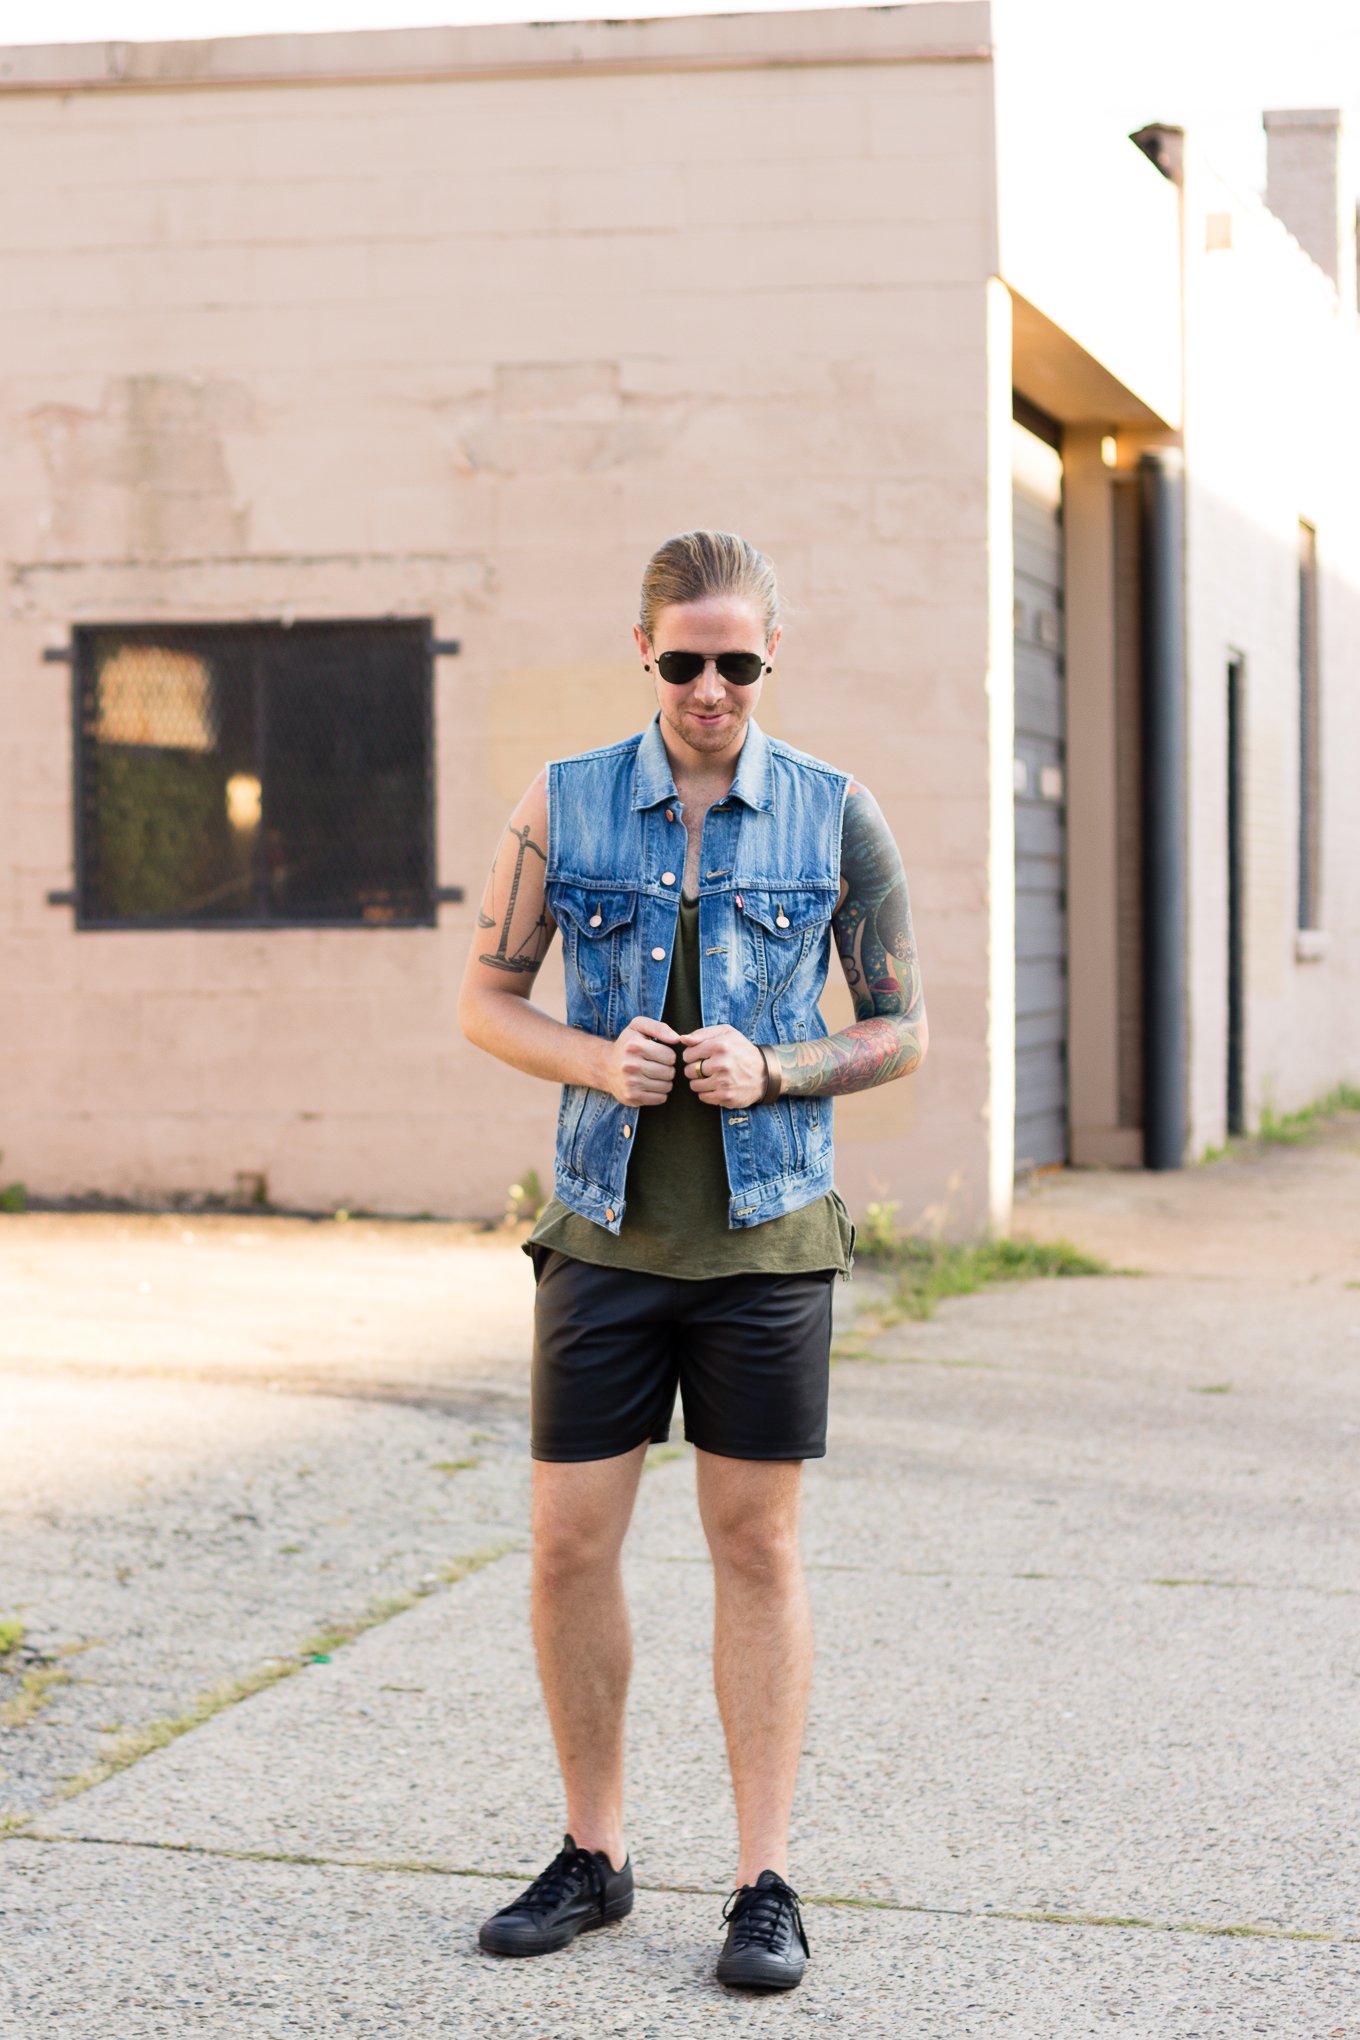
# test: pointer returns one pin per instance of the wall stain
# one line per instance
(146, 475)
(556, 417)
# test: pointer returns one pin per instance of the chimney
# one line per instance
(1309, 186)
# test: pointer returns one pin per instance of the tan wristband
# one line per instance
(774, 1074)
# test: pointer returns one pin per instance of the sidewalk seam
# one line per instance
(337, 1635)
(414, 1867)
(915, 1572)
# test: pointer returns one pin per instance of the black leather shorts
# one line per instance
(750, 1355)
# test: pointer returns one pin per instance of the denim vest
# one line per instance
(769, 880)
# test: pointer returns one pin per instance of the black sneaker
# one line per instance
(580, 1888)
(766, 1932)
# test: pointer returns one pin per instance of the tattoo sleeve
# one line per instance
(872, 929)
(521, 939)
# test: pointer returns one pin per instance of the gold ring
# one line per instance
(701, 1069)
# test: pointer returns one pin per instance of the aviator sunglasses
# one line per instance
(739, 669)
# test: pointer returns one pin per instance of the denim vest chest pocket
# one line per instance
(777, 928)
(599, 935)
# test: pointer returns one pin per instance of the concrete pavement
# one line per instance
(1083, 1562)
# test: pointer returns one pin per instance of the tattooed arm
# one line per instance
(872, 927)
(513, 934)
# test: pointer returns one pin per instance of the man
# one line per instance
(697, 874)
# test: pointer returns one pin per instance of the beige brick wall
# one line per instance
(470, 347)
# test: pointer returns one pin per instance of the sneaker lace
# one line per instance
(758, 1913)
(566, 1871)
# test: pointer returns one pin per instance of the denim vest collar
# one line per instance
(753, 784)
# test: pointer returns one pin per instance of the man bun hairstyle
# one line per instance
(695, 565)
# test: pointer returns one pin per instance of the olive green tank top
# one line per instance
(675, 1220)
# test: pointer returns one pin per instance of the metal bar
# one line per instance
(262, 902)
(1162, 619)
(435, 647)
(80, 658)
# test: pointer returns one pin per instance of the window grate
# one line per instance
(255, 775)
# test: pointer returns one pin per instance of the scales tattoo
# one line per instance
(528, 953)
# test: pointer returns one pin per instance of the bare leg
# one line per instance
(762, 1643)
(585, 1648)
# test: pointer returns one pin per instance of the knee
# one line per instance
(567, 1551)
(756, 1552)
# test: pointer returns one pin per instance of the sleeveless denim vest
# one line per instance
(769, 879)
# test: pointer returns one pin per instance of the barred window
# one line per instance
(254, 775)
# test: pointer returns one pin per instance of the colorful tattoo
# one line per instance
(531, 945)
(872, 930)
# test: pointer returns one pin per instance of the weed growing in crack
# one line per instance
(926, 1271)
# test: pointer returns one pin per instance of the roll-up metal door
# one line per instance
(1040, 807)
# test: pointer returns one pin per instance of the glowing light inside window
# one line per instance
(151, 695)
(243, 801)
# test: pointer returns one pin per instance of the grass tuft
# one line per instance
(927, 1271)
(1286, 1129)
(1283, 1127)
(35, 1691)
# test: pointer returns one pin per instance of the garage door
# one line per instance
(1040, 810)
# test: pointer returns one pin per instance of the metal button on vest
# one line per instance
(628, 1133)
(596, 919)
(670, 814)
(737, 898)
(781, 919)
(668, 878)
(657, 955)
(609, 1214)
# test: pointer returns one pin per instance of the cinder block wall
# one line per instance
(471, 346)
(1272, 436)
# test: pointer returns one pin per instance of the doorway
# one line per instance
(1041, 935)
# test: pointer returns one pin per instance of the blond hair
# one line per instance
(697, 564)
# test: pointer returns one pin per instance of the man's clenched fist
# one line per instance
(642, 1062)
(724, 1066)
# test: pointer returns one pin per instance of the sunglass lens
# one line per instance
(677, 669)
(739, 668)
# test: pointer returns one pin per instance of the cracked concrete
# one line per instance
(1088, 1608)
